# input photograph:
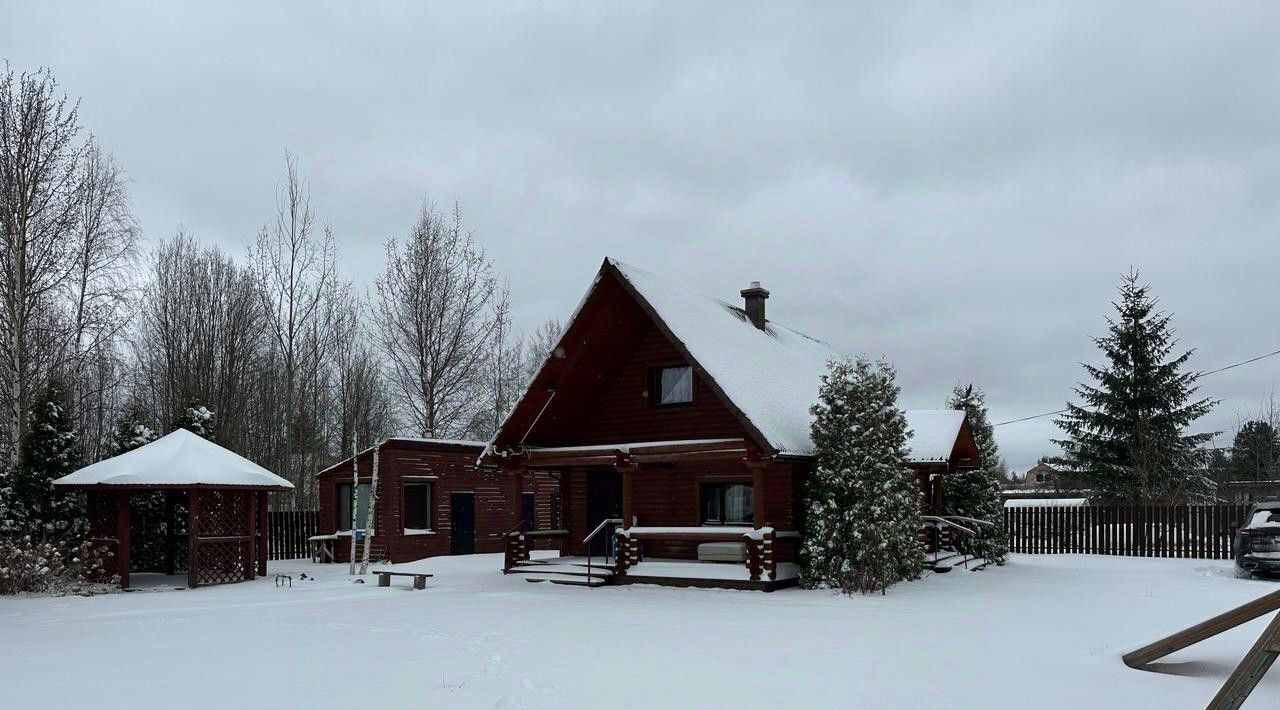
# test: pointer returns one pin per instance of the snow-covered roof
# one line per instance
(933, 433)
(1046, 502)
(177, 459)
(771, 375)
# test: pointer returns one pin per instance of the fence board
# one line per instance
(289, 532)
(1178, 531)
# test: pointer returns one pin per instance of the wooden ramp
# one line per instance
(1251, 669)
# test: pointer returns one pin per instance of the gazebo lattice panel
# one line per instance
(102, 514)
(223, 513)
(220, 561)
(224, 538)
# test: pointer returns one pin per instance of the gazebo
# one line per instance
(222, 536)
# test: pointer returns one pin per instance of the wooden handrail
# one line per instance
(514, 528)
(944, 521)
(601, 526)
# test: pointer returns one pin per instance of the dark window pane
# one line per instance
(417, 506)
(675, 385)
(738, 503)
(712, 502)
(344, 506)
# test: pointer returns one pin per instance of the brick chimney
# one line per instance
(753, 300)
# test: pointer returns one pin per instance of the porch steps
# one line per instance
(572, 573)
(947, 563)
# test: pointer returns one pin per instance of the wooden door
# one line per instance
(462, 514)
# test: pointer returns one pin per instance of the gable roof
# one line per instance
(935, 434)
(769, 378)
(179, 458)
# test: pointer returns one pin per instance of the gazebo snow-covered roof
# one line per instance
(214, 519)
(177, 460)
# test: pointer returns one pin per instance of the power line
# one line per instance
(1238, 364)
(1202, 374)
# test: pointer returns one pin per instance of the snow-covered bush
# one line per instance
(199, 420)
(55, 568)
(861, 502)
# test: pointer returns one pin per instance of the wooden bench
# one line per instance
(385, 575)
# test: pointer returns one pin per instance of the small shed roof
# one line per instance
(934, 433)
(179, 459)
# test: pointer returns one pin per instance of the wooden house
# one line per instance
(432, 500)
(678, 426)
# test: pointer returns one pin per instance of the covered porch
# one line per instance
(708, 512)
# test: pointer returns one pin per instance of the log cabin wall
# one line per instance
(622, 414)
(450, 468)
(670, 495)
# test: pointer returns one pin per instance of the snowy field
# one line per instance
(1042, 632)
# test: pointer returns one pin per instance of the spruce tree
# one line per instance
(1128, 438)
(199, 420)
(861, 502)
(148, 521)
(134, 428)
(51, 450)
(1255, 452)
(976, 493)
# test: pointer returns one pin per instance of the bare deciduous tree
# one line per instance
(363, 410)
(503, 372)
(200, 340)
(40, 187)
(434, 322)
(99, 290)
(296, 270)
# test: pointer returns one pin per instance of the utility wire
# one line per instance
(1202, 374)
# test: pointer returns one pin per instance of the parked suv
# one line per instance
(1257, 543)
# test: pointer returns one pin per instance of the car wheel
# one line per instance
(1242, 573)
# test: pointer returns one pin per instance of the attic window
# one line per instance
(671, 385)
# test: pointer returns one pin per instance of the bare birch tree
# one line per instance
(363, 409)
(100, 291)
(200, 339)
(433, 316)
(295, 266)
(503, 370)
(40, 185)
(540, 345)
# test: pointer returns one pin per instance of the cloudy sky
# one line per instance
(956, 187)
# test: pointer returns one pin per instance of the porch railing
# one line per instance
(516, 543)
(761, 545)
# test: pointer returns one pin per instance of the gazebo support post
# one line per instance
(122, 537)
(170, 538)
(250, 547)
(193, 534)
(264, 529)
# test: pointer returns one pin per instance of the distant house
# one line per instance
(1244, 492)
(678, 426)
(432, 500)
(1040, 475)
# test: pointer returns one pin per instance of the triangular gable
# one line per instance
(623, 301)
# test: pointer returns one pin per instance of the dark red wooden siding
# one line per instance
(453, 470)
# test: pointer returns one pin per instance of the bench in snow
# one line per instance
(385, 575)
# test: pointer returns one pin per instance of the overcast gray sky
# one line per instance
(956, 187)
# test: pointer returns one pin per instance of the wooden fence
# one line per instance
(289, 532)
(1200, 531)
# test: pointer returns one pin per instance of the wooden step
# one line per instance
(572, 580)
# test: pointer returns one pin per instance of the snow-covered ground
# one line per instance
(1042, 632)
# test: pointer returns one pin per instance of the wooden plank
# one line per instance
(1252, 667)
(1203, 630)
